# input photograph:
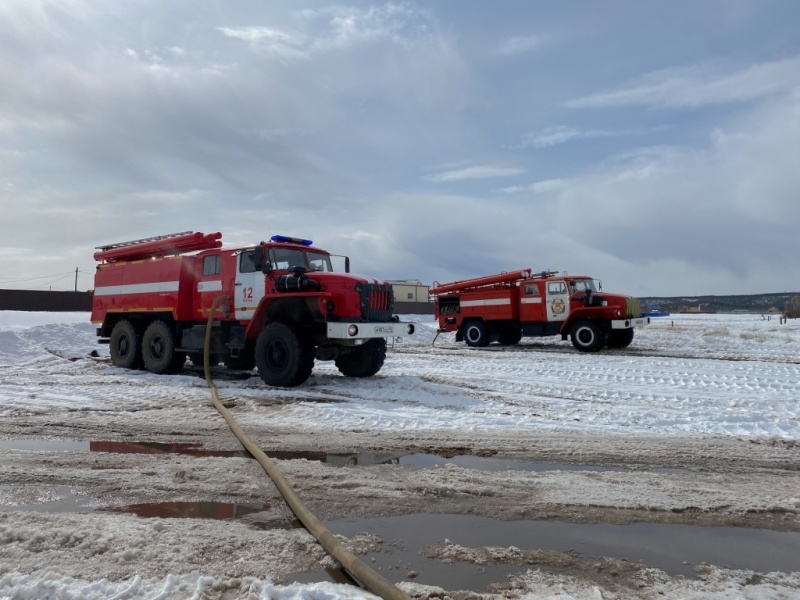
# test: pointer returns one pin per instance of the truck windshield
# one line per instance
(288, 258)
(319, 262)
(581, 285)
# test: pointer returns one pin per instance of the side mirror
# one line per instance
(346, 264)
(260, 261)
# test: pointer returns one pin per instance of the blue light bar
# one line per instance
(290, 240)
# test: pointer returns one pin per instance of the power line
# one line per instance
(35, 278)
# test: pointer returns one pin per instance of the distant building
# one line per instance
(410, 290)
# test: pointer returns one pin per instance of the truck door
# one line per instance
(557, 301)
(249, 286)
(209, 283)
(531, 309)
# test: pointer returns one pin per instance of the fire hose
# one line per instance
(357, 569)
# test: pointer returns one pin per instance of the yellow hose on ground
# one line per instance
(373, 581)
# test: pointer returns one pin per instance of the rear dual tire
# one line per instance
(158, 349)
(125, 345)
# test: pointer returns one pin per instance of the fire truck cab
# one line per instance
(282, 307)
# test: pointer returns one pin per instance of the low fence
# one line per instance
(44, 301)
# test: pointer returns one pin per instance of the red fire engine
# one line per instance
(506, 306)
(285, 307)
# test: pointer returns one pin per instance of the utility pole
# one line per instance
(76, 279)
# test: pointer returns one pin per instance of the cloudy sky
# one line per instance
(653, 145)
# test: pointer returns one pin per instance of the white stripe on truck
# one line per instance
(137, 288)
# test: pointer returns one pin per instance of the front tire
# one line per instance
(284, 356)
(587, 336)
(475, 334)
(158, 349)
(363, 361)
(125, 345)
(620, 338)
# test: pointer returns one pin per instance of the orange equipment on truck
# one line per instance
(285, 307)
(507, 306)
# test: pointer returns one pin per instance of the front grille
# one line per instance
(377, 301)
(634, 309)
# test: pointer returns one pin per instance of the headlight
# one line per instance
(410, 328)
(352, 330)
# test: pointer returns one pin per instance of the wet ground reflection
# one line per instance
(355, 459)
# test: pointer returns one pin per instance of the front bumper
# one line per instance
(630, 323)
(366, 331)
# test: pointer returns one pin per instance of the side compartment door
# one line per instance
(557, 301)
(249, 286)
(209, 283)
(531, 309)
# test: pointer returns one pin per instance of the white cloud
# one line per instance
(560, 134)
(338, 28)
(700, 85)
(481, 172)
(270, 41)
(540, 187)
(519, 45)
(350, 26)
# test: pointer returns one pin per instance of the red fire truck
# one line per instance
(506, 306)
(284, 307)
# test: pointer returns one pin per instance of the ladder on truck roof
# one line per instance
(141, 241)
(498, 280)
(158, 246)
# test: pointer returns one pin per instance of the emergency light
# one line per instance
(290, 240)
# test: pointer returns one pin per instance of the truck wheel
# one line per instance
(620, 338)
(125, 345)
(364, 360)
(285, 356)
(158, 349)
(587, 337)
(510, 336)
(475, 334)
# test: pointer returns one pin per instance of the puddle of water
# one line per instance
(361, 459)
(190, 510)
(117, 447)
(60, 499)
(162, 448)
(675, 549)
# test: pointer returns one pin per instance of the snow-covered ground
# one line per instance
(686, 375)
(711, 374)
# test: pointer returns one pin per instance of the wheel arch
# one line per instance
(139, 320)
(298, 310)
